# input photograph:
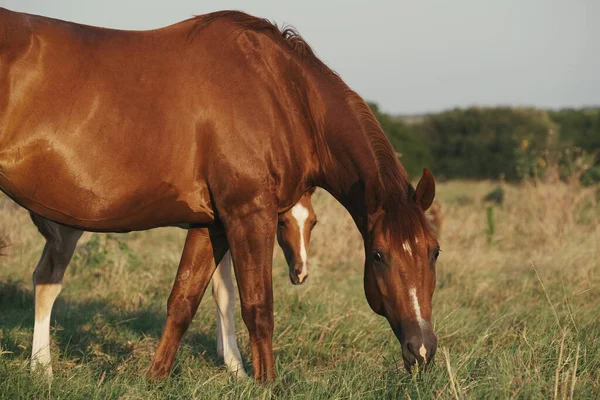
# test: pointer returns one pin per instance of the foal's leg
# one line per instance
(60, 245)
(201, 254)
(224, 295)
(251, 239)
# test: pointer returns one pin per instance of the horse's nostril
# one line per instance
(294, 278)
(416, 353)
(413, 351)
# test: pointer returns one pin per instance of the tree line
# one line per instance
(497, 142)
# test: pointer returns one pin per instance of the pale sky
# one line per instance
(410, 56)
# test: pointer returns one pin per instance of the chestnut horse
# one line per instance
(294, 229)
(220, 122)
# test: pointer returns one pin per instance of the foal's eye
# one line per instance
(436, 254)
(281, 224)
(377, 257)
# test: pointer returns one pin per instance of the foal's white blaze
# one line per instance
(406, 247)
(300, 214)
(420, 320)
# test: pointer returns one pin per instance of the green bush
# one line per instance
(413, 152)
(500, 142)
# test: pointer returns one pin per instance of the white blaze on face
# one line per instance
(406, 247)
(415, 302)
(300, 214)
(420, 320)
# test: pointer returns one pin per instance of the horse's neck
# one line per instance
(349, 171)
(352, 172)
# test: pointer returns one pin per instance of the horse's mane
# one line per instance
(391, 172)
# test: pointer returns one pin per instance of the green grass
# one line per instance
(517, 319)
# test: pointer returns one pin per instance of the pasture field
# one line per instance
(516, 309)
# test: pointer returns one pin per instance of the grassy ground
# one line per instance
(517, 310)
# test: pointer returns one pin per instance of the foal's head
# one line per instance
(400, 270)
(293, 234)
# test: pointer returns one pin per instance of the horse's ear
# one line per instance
(425, 190)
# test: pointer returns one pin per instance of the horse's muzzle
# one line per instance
(298, 273)
(419, 350)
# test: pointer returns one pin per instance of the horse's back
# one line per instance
(132, 124)
(106, 111)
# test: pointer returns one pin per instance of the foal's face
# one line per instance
(400, 272)
(293, 234)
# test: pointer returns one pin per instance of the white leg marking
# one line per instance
(40, 352)
(224, 295)
(50, 270)
(45, 295)
(406, 247)
(300, 214)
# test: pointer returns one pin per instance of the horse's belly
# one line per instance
(108, 200)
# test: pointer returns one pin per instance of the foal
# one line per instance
(293, 234)
(293, 231)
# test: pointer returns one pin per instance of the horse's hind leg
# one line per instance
(224, 295)
(47, 278)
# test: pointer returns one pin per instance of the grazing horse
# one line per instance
(221, 122)
(293, 234)
(294, 230)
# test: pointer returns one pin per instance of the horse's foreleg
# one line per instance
(47, 278)
(201, 254)
(251, 239)
(224, 295)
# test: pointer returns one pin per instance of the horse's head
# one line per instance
(400, 271)
(293, 235)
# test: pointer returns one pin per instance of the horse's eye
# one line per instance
(281, 224)
(436, 254)
(377, 257)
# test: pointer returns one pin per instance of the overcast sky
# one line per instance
(410, 56)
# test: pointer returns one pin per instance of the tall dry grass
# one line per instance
(516, 311)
